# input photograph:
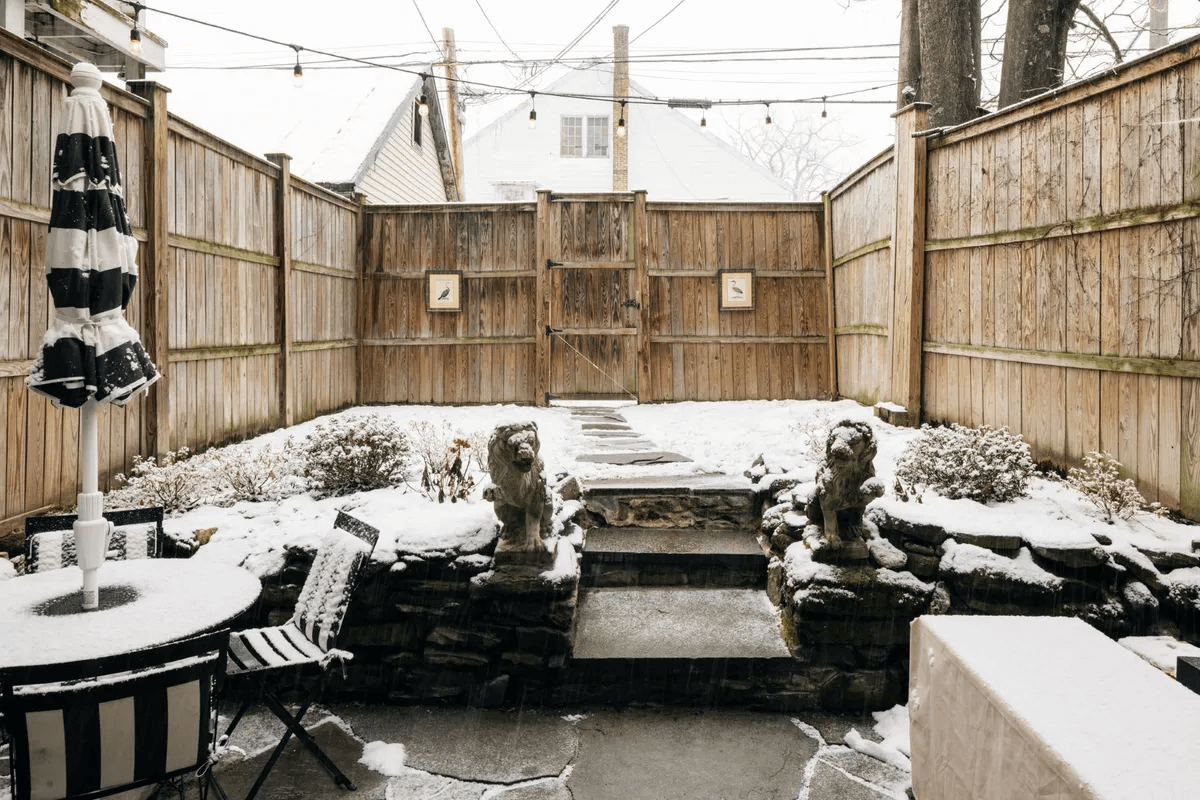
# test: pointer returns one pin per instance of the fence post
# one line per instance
(542, 300)
(155, 272)
(360, 266)
(642, 294)
(283, 298)
(830, 296)
(908, 261)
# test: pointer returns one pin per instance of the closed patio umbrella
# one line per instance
(90, 354)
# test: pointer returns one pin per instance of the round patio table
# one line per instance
(144, 602)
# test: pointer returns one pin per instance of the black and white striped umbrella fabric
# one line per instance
(90, 351)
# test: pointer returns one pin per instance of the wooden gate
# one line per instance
(593, 297)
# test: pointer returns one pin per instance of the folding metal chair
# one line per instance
(88, 729)
(50, 540)
(307, 642)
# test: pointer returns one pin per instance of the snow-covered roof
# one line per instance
(670, 156)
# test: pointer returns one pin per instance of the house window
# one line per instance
(416, 124)
(584, 137)
(597, 137)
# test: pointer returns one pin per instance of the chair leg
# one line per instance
(238, 716)
(294, 728)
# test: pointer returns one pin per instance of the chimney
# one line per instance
(620, 144)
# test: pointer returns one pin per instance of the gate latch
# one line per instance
(632, 303)
(551, 331)
(550, 263)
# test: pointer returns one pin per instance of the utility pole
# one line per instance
(1158, 24)
(452, 109)
(620, 143)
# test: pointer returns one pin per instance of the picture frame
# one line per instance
(735, 289)
(443, 290)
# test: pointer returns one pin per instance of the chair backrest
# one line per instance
(335, 573)
(93, 728)
(50, 540)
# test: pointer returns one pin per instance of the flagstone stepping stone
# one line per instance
(616, 434)
(633, 459)
(605, 426)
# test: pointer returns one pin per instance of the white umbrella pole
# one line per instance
(91, 528)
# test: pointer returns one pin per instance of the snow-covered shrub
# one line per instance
(981, 463)
(813, 431)
(256, 474)
(352, 454)
(449, 460)
(1099, 479)
(178, 483)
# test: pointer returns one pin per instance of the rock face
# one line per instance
(846, 482)
(519, 494)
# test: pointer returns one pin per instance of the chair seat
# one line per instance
(270, 648)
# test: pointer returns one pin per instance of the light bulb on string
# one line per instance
(533, 110)
(423, 102)
(767, 122)
(703, 120)
(297, 71)
(135, 41)
(621, 122)
(823, 114)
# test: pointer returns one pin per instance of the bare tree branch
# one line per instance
(1103, 29)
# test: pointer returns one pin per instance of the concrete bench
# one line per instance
(1044, 707)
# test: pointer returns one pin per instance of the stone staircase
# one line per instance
(673, 605)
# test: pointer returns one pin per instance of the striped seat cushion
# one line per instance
(270, 648)
(87, 736)
(56, 549)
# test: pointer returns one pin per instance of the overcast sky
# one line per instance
(242, 89)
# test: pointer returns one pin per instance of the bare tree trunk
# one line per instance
(949, 58)
(1035, 47)
(910, 55)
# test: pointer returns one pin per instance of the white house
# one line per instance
(570, 150)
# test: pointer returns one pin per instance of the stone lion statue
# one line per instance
(846, 482)
(518, 492)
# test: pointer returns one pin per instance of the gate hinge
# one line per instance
(632, 303)
(551, 263)
(550, 330)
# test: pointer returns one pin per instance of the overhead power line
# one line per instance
(839, 98)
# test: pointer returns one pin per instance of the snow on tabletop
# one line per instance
(964, 559)
(384, 758)
(1126, 729)
(1161, 651)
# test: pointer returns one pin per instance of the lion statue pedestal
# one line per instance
(520, 495)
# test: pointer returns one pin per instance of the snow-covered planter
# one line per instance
(354, 454)
(984, 464)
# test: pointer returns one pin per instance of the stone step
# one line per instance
(692, 501)
(705, 557)
(640, 624)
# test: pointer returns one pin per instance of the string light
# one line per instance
(363, 62)
(533, 111)
(703, 120)
(297, 71)
(621, 122)
(135, 40)
(767, 122)
(823, 114)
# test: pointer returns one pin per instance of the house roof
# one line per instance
(669, 154)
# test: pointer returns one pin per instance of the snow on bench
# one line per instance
(1047, 707)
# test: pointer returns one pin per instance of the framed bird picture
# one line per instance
(736, 289)
(443, 290)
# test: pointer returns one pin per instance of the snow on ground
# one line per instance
(1161, 651)
(718, 437)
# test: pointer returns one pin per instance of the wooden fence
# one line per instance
(231, 309)
(1053, 269)
(629, 306)
(1034, 268)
